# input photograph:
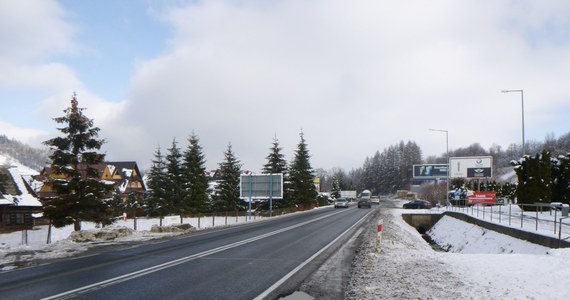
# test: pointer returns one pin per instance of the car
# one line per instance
(364, 202)
(558, 205)
(341, 202)
(375, 200)
(415, 204)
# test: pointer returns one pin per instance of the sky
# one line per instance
(354, 77)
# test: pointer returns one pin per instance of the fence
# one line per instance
(531, 217)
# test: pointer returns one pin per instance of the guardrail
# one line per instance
(533, 216)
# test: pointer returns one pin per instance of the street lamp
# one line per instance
(447, 150)
(522, 110)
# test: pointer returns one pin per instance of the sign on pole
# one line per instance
(430, 171)
(261, 186)
(471, 167)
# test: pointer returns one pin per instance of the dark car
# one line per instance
(415, 204)
(364, 202)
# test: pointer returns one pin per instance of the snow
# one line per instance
(481, 264)
(20, 172)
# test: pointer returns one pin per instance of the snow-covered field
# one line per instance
(481, 264)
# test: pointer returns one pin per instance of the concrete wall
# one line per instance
(422, 222)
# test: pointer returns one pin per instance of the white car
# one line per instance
(375, 200)
(341, 202)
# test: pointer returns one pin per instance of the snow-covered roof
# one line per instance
(19, 172)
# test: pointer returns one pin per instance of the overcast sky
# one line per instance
(354, 76)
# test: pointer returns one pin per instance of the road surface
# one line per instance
(257, 260)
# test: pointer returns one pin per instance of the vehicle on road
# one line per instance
(364, 202)
(375, 200)
(417, 204)
(341, 202)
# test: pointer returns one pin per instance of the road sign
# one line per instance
(471, 167)
(261, 186)
(430, 171)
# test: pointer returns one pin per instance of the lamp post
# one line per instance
(522, 111)
(447, 150)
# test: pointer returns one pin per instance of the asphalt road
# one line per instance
(261, 260)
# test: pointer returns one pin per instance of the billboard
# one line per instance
(430, 171)
(261, 186)
(472, 167)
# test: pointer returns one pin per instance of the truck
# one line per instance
(365, 194)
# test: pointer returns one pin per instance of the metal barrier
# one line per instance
(541, 218)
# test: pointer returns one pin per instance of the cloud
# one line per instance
(354, 77)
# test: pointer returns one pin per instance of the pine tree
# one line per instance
(195, 181)
(175, 184)
(81, 194)
(303, 190)
(156, 200)
(276, 164)
(227, 197)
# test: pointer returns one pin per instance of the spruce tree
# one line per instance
(156, 200)
(76, 166)
(195, 181)
(276, 164)
(302, 189)
(227, 196)
(175, 184)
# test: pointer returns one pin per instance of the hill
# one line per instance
(24, 154)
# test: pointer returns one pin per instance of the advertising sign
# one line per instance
(471, 167)
(488, 198)
(261, 186)
(430, 171)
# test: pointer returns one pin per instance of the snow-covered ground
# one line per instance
(481, 264)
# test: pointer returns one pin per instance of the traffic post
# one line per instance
(379, 234)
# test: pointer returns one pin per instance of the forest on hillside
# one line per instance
(391, 170)
(29, 156)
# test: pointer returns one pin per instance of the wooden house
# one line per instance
(17, 201)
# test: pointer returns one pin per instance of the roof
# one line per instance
(15, 189)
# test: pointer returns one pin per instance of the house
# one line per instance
(125, 176)
(17, 200)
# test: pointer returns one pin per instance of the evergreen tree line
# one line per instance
(383, 173)
(391, 170)
(178, 184)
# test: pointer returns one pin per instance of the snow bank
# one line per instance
(484, 265)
